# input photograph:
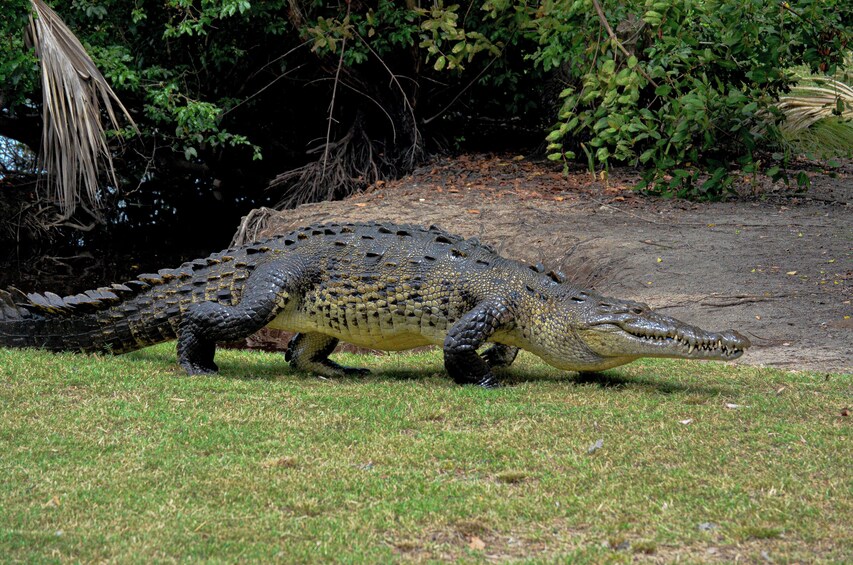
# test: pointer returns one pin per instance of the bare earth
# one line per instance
(776, 267)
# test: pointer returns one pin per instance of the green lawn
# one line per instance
(124, 459)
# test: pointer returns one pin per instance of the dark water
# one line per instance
(69, 270)
(160, 225)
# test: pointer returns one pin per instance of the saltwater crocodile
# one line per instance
(377, 285)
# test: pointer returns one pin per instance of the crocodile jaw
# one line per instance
(625, 331)
(622, 338)
(687, 342)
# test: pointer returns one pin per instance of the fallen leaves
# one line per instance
(476, 543)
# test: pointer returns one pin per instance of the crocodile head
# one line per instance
(605, 333)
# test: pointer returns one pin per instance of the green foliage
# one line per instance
(449, 45)
(690, 95)
(684, 88)
(18, 65)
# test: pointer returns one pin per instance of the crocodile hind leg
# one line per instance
(499, 355)
(310, 352)
(461, 360)
(203, 324)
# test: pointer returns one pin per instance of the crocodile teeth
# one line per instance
(690, 349)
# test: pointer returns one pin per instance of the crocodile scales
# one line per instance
(376, 285)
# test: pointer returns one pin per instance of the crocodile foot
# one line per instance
(328, 369)
(499, 355)
(489, 381)
(310, 352)
(200, 368)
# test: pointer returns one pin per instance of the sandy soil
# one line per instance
(774, 266)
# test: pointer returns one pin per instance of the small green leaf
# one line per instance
(440, 63)
(652, 18)
(749, 109)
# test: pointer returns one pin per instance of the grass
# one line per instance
(123, 459)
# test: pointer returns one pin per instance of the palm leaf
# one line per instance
(809, 103)
(74, 150)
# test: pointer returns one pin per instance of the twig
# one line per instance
(617, 42)
(629, 213)
(372, 99)
(332, 101)
(262, 89)
(406, 100)
(725, 301)
(650, 242)
(738, 300)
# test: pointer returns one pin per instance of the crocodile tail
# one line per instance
(48, 321)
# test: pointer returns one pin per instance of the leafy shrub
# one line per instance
(682, 87)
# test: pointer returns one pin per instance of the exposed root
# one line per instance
(251, 225)
(346, 166)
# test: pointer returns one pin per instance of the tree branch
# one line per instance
(617, 42)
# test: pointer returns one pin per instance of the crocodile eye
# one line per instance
(636, 310)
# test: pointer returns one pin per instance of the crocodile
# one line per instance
(376, 285)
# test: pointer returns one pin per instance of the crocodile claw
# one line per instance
(489, 381)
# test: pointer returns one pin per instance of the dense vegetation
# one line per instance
(317, 99)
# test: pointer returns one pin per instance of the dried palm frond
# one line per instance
(818, 118)
(809, 103)
(74, 149)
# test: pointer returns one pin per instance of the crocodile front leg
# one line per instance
(203, 324)
(461, 360)
(310, 352)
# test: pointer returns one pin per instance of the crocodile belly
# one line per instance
(375, 328)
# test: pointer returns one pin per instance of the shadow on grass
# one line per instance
(617, 381)
(276, 369)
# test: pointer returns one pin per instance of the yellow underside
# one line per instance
(402, 334)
